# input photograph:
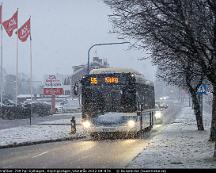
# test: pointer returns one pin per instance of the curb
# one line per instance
(41, 142)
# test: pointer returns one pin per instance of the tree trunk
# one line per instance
(213, 122)
(215, 151)
(189, 100)
(197, 111)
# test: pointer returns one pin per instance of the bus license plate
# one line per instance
(108, 129)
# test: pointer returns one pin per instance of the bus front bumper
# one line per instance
(120, 129)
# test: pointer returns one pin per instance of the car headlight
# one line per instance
(131, 123)
(158, 115)
(86, 124)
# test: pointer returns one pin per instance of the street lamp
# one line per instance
(100, 44)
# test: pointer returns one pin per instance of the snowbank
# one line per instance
(180, 145)
(34, 133)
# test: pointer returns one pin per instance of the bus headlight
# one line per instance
(131, 123)
(86, 124)
(158, 115)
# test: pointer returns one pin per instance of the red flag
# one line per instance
(0, 14)
(24, 31)
(11, 24)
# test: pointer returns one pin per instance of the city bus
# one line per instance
(116, 101)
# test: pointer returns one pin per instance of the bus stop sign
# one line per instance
(203, 89)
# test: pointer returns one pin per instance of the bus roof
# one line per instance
(114, 70)
(139, 77)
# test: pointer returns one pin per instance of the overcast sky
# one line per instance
(62, 32)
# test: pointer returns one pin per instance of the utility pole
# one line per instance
(100, 44)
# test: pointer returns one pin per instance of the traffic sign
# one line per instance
(203, 89)
(53, 91)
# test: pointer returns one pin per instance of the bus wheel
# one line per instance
(94, 136)
(140, 134)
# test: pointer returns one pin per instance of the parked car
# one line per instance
(68, 105)
(14, 112)
(162, 105)
(8, 102)
(41, 109)
(59, 108)
(158, 115)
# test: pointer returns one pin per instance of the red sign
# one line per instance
(53, 91)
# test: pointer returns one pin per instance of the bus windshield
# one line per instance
(108, 93)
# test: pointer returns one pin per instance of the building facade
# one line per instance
(80, 70)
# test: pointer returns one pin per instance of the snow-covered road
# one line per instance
(177, 144)
(180, 145)
(21, 132)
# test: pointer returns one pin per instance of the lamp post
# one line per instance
(100, 44)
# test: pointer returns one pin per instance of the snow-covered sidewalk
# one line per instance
(180, 145)
(35, 133)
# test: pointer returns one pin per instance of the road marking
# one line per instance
(38, 155)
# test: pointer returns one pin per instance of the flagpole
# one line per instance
(17, 62)
(2, 81)
(31, 72)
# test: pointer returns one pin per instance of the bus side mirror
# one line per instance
(76, 89)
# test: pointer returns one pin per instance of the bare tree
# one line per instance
(186, 76)
(173, 26)
(180, 27)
